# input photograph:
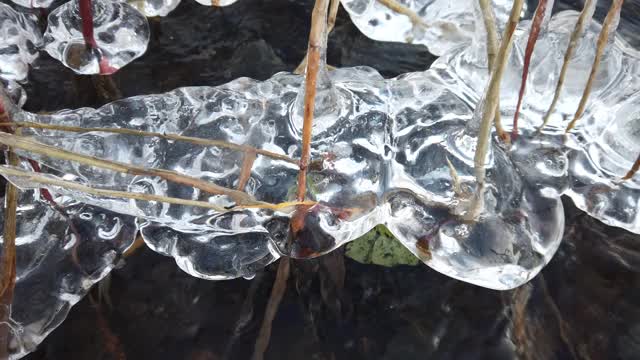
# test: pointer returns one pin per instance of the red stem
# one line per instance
(86, 16)
(536, 25)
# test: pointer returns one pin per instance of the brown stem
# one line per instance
(534, 33)
(8, 262)
(245, 171)
(634, 169)
(331, 22)
(314, 53)
(578, 30)
(608, 26)
(277, 293)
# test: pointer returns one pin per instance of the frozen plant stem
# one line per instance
(86, 17)
(174, 137)
(608, 27)
(394, 5)
(578, 30)
(8, 261)
(489, 109)
(331, 23)
(492, 51)
(534, 33)
(634, 169)
(314, 53)
(54, 152)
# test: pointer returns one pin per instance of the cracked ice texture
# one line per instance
(379, 151)
(55, 267)
(151, 8)
(121, 34)
(442, 25)
(19, 40)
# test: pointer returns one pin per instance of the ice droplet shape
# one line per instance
(151, 8)
(216, 2)
(19, 41)
(121, 34)
(58, 260)
(440, 25)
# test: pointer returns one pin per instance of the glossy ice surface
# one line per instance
(59, 258)
(121, 34)
(152, 8)
(440, 25)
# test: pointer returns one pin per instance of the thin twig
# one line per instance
(608, 27)
(277, 293)
(8, 262)
(544, 7)
(48, 180)
(245, 171)
(314, 52)
(395, 6)
(331, 22)
(174, 137)
(584, 18)
(634, 169)
(33, 146)
(492, 51)
(490, 107)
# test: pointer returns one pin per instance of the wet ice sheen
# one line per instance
(120, 31)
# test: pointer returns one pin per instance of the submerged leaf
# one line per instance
(380, 247)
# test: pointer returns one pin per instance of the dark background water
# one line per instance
(585, 304)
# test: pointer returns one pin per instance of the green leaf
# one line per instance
(380, 247)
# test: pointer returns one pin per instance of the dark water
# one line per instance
(585, 304)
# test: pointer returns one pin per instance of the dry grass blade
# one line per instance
(634, 169)
(277, 293)
(608, 27)
(393, 5)
(8, 262)
(32, 146)
(50, 181)
(492, 51)
(317, 43)
(583, 20)
(245, 171)
(174, 137)
(490, 107)
(534, 33)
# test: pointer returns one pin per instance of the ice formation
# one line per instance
(19, 40)
(441, 25)
(119, 35)
(60, 256)
(152, 8)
